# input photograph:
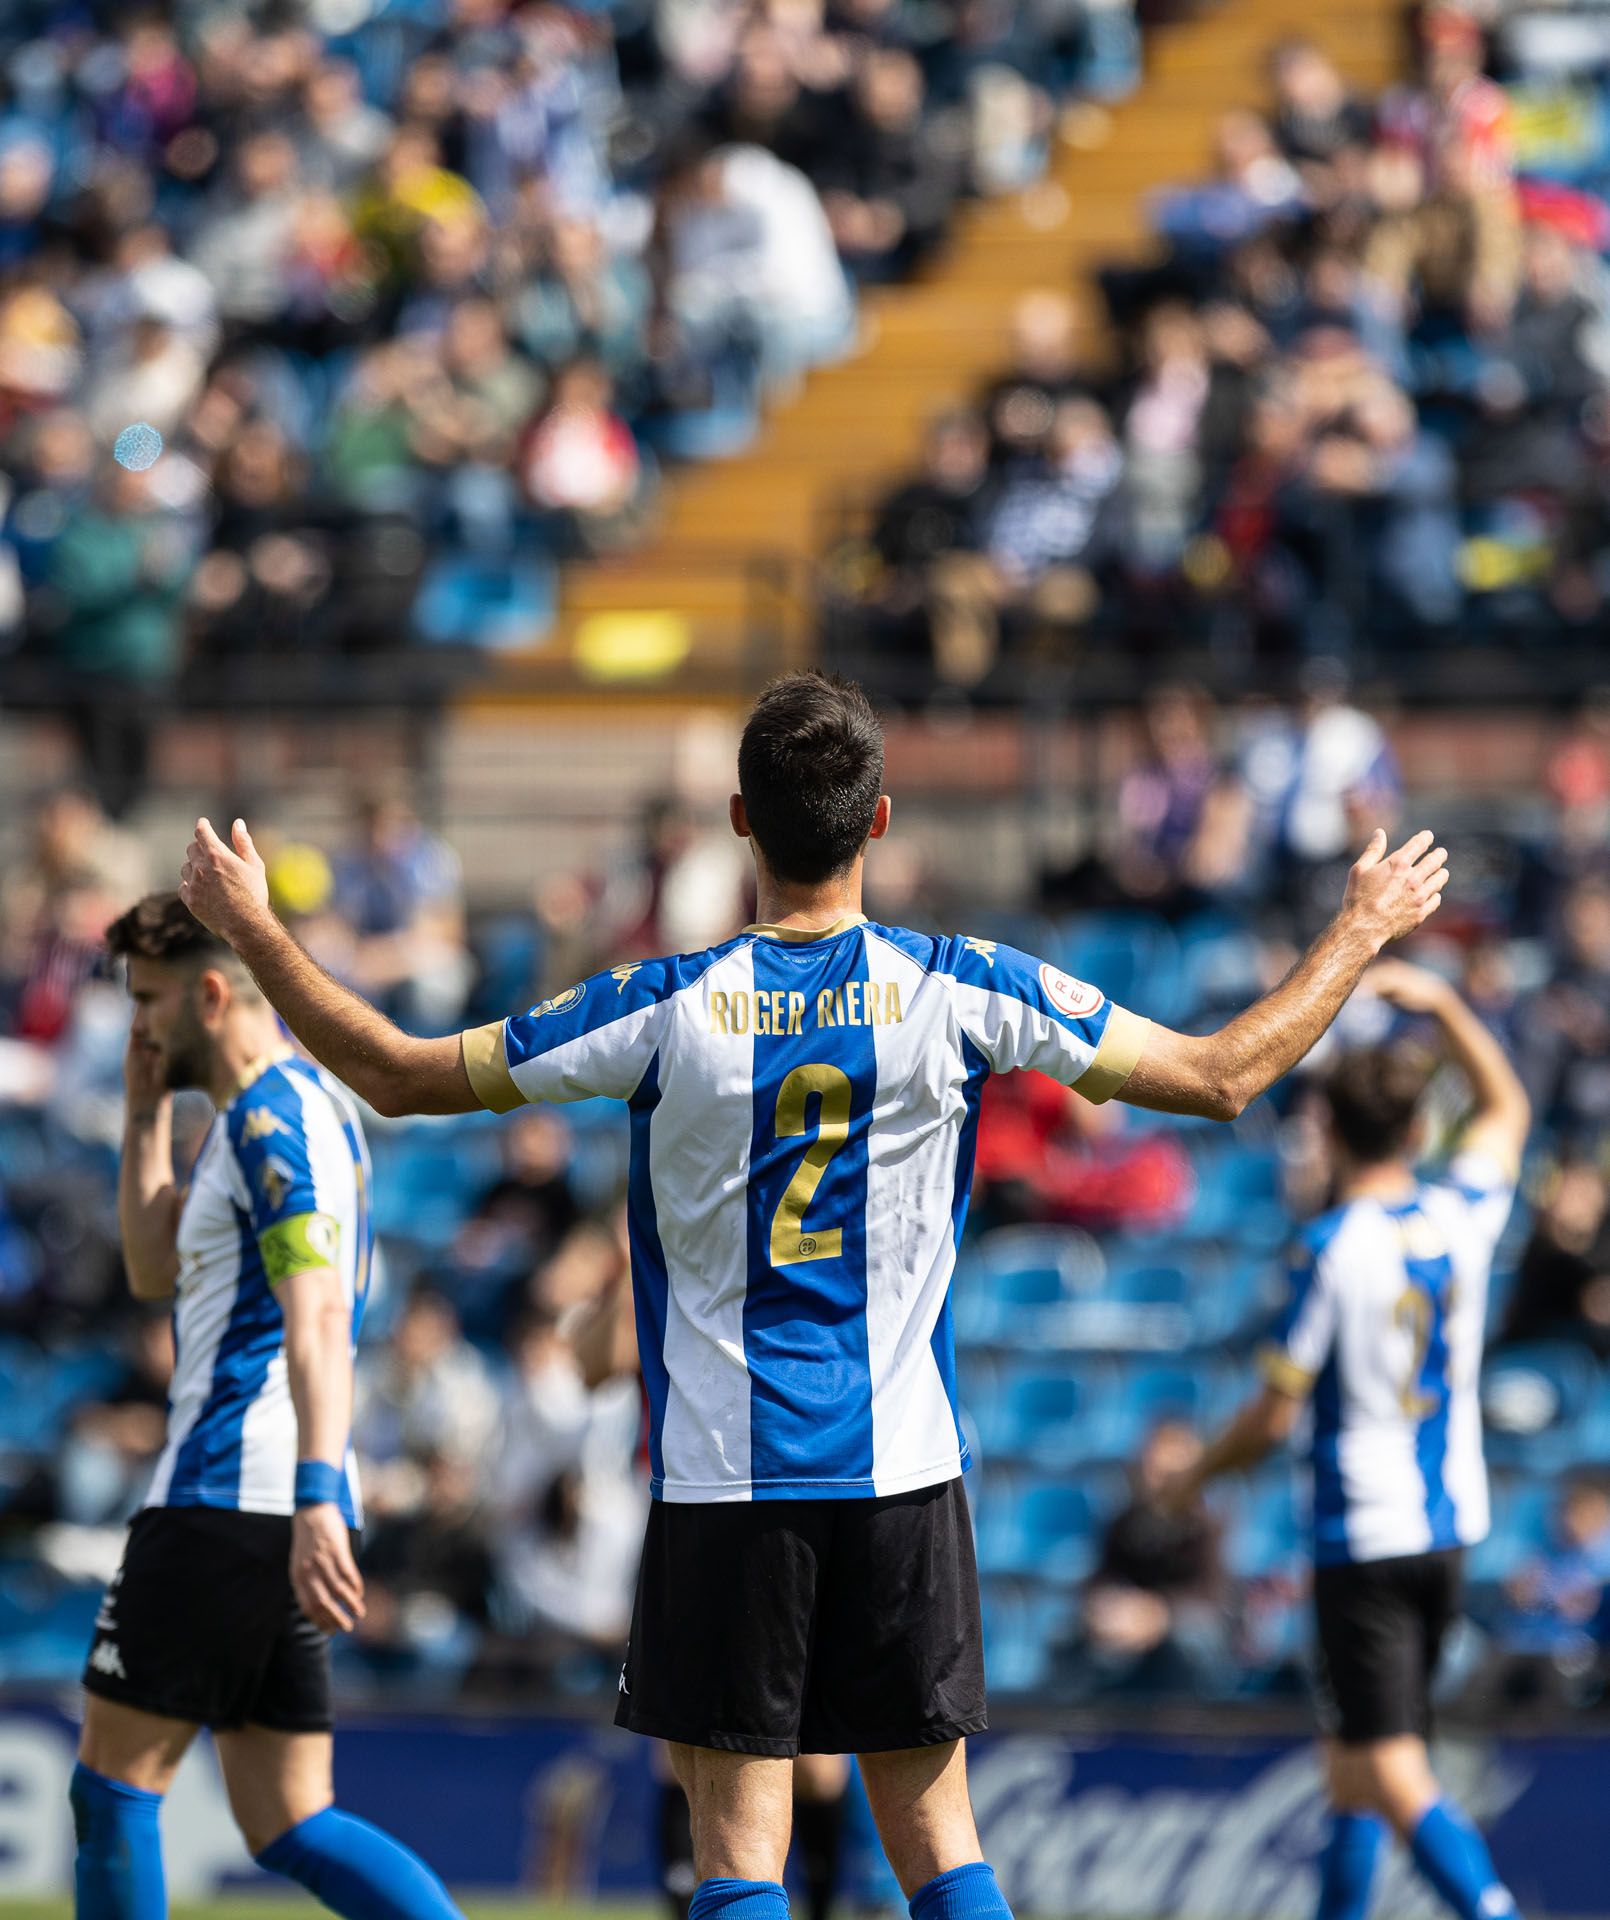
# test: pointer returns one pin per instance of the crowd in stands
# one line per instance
(1118, 1273)
(420, 299)
(1359, 400)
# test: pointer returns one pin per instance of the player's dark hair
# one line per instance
(810, 768)
(1374, 1094)
(162, 927)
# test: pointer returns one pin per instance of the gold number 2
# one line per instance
(789, 1240)
(1413, 1310)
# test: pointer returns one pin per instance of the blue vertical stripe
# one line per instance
(1330, 1494)
(649, 1282)
(207, 1470)
(805, 1330)
(1434, 1277)
(942, 1343)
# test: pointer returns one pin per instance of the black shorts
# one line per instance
(808, 1626)
(1381, 1627)
(200, 1624)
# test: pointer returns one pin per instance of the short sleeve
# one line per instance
(1025, 1013)
(1486, 1189)
(595, 1039)
(269, 1137)
(1300, 1342)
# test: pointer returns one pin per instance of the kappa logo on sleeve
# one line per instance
(1076, 998)
(561, 1002)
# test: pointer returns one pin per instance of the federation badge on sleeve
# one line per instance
(561, 1002)
(1076, 998)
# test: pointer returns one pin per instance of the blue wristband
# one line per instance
(317, 1482)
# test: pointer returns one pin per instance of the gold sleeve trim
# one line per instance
(1122, 1044)
(1282, 1373)
(488, 1069)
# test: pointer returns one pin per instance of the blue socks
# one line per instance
(739, 1900)
(1453, 1858)
(357, 1870)
(1347, 1866)
(964, 1893)
(118, 1871)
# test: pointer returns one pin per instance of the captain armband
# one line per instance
(299, 1245)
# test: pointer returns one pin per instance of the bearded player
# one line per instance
(241, 1565)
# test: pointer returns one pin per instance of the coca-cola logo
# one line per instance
(1067, 1836)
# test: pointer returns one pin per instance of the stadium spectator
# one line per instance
(398, 892)
(1562, 1287)
(113, 1441)
(430, 1397)
(1548, 1642)
(1567, 1026)
(1152, 1617)
(78, 873)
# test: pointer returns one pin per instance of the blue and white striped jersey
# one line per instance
(1383, 1330)
(803, 1112)
(288, 1145)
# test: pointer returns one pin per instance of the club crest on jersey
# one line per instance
(1076, 998)
(561, 1002)
(274, 1182)
(261, 1122)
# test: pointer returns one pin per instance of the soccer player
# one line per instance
(241, 1563)
(803, 1101)
(1382, 1334)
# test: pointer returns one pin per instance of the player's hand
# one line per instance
(1408, 988)
(324, 1575)
(145, 1080)
(223, 886)
(1390, 894)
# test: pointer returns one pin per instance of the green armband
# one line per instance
(298, 1245)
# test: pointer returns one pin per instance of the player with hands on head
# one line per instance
(804, 1100)
(1381, 1343)
(241, 1563)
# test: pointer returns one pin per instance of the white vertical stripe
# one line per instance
(699, 1167)
(911, 1189)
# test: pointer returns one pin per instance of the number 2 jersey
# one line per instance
(803, 1112)
(1383, 1333)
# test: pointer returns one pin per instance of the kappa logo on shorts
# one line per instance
(1076, 998)
(105, 1658)
(561, 1002)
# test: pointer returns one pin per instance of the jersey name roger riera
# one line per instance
(803, 1114)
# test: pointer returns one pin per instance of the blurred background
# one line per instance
(1191, 420)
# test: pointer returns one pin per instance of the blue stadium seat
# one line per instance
(1015, 1285)
(1520, 1528)
(1046, 1530)
(1133, 957)
(1266, 1532)
(1197, 1392)
(1536, 1400)
(1054, 1418)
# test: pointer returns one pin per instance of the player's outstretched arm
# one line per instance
(1217, 1074)
(226, 889)
(148, 1198)
(1502, 1113)
(1255, 1431)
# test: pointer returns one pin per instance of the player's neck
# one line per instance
(242, 1049)
(1383, 1180)
(807, 909)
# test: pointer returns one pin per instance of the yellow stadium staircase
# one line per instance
(720, 595)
